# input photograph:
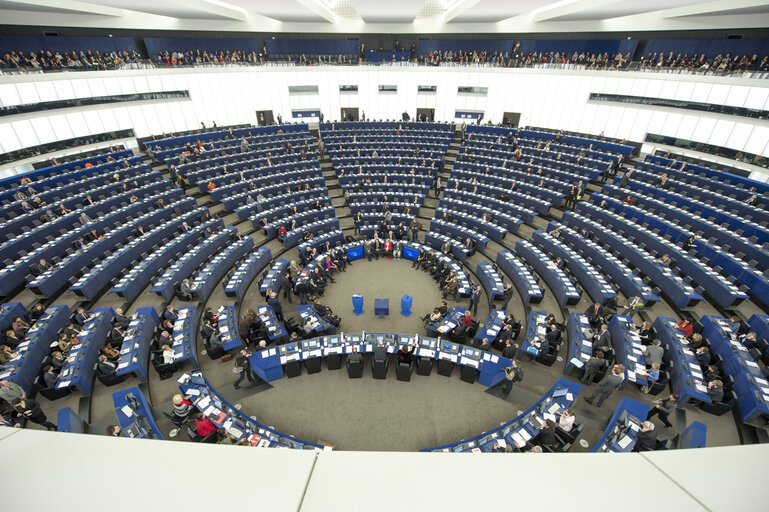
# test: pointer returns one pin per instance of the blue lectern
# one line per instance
(381, 307)
(357, 304)
(406, 305)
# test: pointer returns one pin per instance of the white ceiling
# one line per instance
(391, 16)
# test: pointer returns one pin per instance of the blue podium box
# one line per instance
(381, 307)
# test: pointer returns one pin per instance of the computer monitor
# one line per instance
(410, 254)
(380, 338)
(355, 253)
(425, 343)
(313, 343)
(469, 352)
(355, 338)
(448, 346)
(290, 348)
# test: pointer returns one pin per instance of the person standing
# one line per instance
(414, 228)
(475, 297)
(607, 386)
(663, 408)
(438, 186)
(507, 295)
(273, 302)
(31, 410)
(244, 367)
(513, 374)
(592, 367)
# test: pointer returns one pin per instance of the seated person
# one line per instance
(646, 333)
(432, 317)
(36, 312)
(11, 340)
(50, 377)
(566, 420)
(406, 354)
(547, 435)
(168, 354)
(58, 359)
(652, 376)
(203, 426)
(6, 354)
(182, 406)
(647, 437)
(686, 327)
(105, 367)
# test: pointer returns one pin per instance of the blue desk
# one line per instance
(275, 330)
(480, 226)
(750, 386)
(35, 347)
(493, 326)
(272, 277)
(564, 290)
(535, 331)
(102, 274)
(621, 434)
(521, 429)
(134, 414)
(234, 422)
(436, 240)
(68, 420)
(322, 326)
(694, 436)
(8, 311)
(591, 280)
(628, 348)
(207, 277)
(185, 336)
(448, 323)
(528, 287)
(135, 351)
(679, 359)
(132, 284)
(382, 307)
(671, 284)
(227, 324)
(183, 267)
(580, 344)
(492, 283)
(621, 275)
(317, 228)
(459, 233)
(266, 364)
(78, 371)
(245, 273)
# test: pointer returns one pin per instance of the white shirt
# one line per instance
(566, 423)
(168, 357)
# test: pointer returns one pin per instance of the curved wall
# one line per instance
(547, 98)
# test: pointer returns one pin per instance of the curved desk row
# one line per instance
(436, 240)
(564, 290)
(317, 228)
(189, 261)
(239, 203)
(492, 283)
(533, 193)
(135, 350)
(78, 370)
(536, 329)
(670, 283)
(628, 282)
(8, 312)
(750, 385)
(235, 423)
(459, 233)
(525, 427)
(134, 414)
(514, 211)
(244, 274)
(621, 434)
(684, 369)
(35, 347)
(492, 327)
(132, 284)
(489, 190)
(502, 221)
(527, 286)
(269, 364)
(93, 281)
(207, 278)
(591, 280)
(306, 216)
(580, 342)
(273, 278)
(628, 349)
(486, 228)
(332, 237)
(641, 223)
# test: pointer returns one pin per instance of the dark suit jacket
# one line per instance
(509, 351)
(50, 379)
(355, 357)
(106, 368)
(610, 383)
(123, 320)
(646, 440)
(80, 318)
(716, 394)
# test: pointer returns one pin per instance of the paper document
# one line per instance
(127, 411)
(576, 362)
(624, 442)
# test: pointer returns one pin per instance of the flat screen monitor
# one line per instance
(469, 352)
(290, 348)
(313, 343)
(380, 338)
(448, 346)
(410, 254)
(355, 338)
(425, 343)
(355, 253)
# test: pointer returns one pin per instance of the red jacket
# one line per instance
(204, 427)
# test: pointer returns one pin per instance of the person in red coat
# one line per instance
(204, 426)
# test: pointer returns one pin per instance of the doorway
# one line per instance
(264, 118)
(511, 119)
(349, 114)
(426, 114)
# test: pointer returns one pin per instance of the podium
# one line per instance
(406, 301)
(382, 307)
(357, 304)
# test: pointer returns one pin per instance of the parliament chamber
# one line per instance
(442, 247)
